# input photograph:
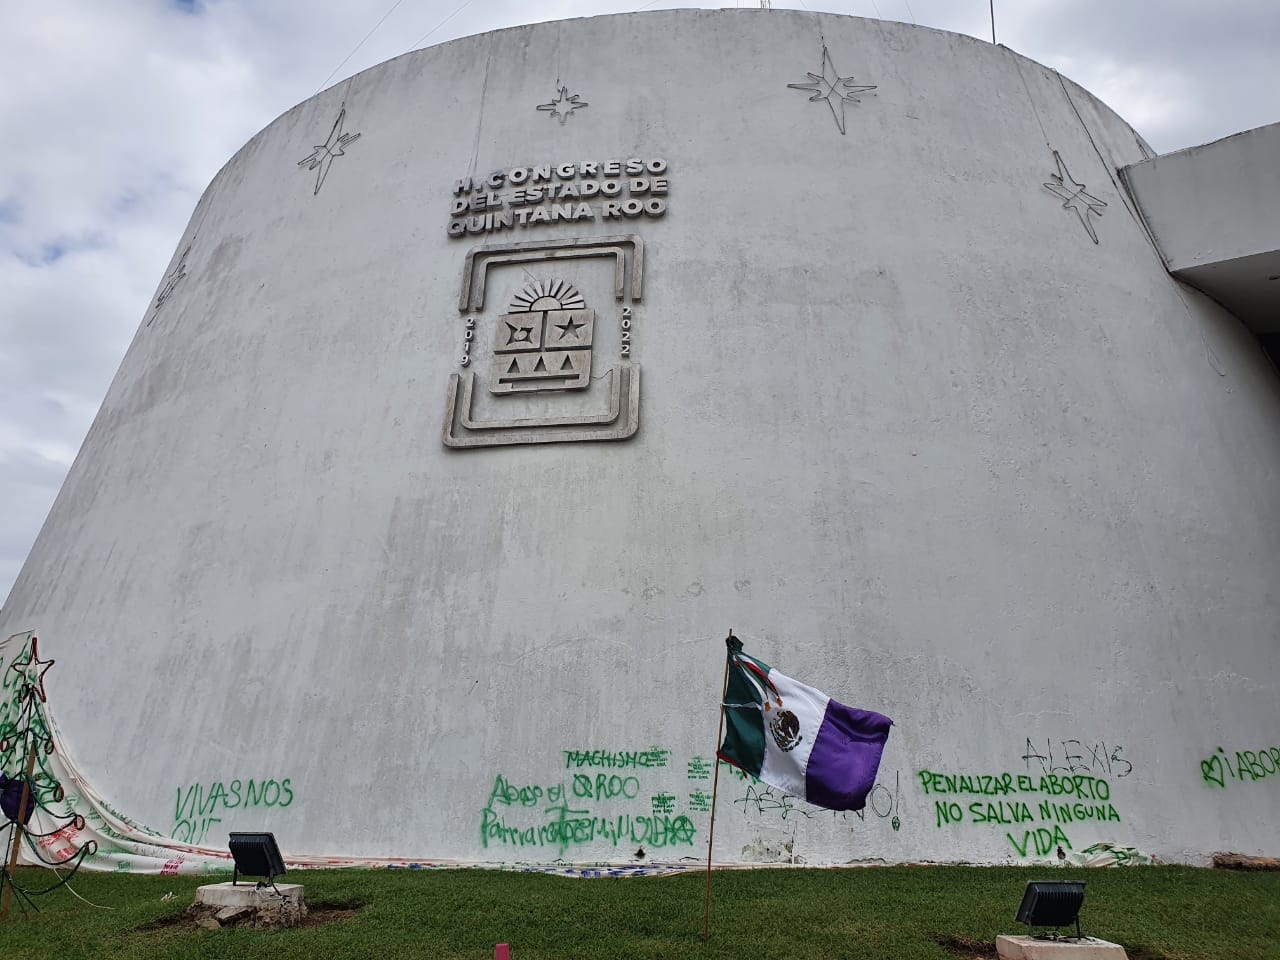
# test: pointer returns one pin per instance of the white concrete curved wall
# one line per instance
(903, 425)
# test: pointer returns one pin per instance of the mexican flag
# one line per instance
(797, 739)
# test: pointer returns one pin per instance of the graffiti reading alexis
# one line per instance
(599, 802)
(194, 807)
(1249, 766)
(1035, 807)
(1078, 756)
(833, 88)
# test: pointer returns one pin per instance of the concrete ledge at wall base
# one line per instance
(1031, 948)
(246, 905)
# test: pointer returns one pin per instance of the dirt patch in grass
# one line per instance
(965, 947)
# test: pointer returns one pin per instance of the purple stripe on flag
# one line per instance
(845, 757)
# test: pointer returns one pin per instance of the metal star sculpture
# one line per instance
(323, 154)
(563, 105)
(1074, 197)
(833, 88)
(171, 281)
(32, 671)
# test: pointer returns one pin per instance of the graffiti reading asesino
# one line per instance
(1248, 767)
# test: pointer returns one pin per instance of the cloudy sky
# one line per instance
(115, 114)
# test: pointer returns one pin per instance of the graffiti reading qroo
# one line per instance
(581, 190)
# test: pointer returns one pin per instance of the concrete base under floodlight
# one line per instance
(1031, 948)
(246, 904)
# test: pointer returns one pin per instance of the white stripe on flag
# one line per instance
(785, 769)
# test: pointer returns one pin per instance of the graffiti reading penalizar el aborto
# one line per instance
(585, 190)
(1066, 786)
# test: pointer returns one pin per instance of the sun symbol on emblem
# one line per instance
(785, 727)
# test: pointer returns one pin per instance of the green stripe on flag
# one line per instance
(744, 720)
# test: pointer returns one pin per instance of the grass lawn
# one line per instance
(889, 912)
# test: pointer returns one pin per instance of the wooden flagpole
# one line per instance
(715, 786)
(17, 828)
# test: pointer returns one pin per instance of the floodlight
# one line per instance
(256, 855)
(1051, 903)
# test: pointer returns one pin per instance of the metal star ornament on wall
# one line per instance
(563, 105)
(322, 155)
(32, 671)
(171, 281)
(833, 88)
(1074, 197)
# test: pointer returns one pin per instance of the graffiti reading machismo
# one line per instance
(1248, 767)
(591, 807)
(1035, 807)
(653, 757)
(194, 808)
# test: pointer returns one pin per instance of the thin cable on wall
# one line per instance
(422, 39)
(359, 45)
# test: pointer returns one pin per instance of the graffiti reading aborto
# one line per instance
(194, 808)
(1078, 756)
(1249, 766)
(1036, 807)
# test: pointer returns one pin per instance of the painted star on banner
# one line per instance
(32, 671)
(833, 88)
(322, 155)
(1074, 197)
(563, 105)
